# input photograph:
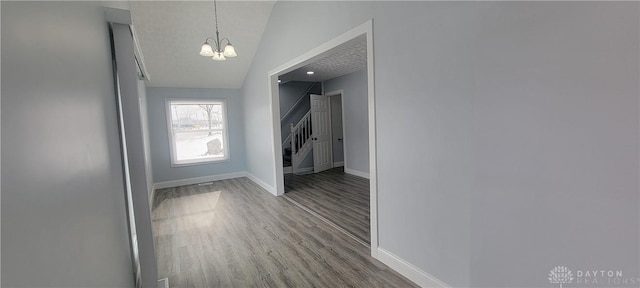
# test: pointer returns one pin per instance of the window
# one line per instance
(197, 131)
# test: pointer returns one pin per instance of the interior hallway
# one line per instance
(232, 233)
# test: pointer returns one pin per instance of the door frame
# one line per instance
(276, 133)
(344, 141)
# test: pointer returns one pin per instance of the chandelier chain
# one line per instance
(217, 53)
(215, 12)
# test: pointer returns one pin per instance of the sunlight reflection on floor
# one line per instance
(200, 213)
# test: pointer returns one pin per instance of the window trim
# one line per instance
(170, 133)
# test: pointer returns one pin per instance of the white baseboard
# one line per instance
(408, 270)
(289, 170)
(338, 164)
(262, 184)
(196, 180)
(306, 170)
(356, 173)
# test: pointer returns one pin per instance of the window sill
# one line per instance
(177, 165)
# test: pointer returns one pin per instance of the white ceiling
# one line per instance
(171, 33)
(342, 60)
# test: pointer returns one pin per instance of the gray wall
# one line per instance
(507, 133)
(158, 133)
(555, 133)
(290, 92)
(356, 114)
(63, 211)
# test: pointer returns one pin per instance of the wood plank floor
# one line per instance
(234, 234)
(339, 197)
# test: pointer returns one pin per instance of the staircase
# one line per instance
(297, 144)
(286, 157)
(301, 143)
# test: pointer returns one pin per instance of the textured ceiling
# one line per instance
(342, 60)
(171, 33)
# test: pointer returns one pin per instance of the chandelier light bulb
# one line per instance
(229, 51)
(206, 50)
(218, 56)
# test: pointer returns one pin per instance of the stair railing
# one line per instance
(300, 140)
(298, 102)
(287, 139)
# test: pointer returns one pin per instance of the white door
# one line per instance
(321, 133)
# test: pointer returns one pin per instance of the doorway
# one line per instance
(365, 30)
(337, 128)
(339, 198)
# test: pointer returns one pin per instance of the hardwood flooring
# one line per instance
(339, 197)
(232, 233)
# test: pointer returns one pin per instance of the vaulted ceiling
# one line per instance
(171, 33)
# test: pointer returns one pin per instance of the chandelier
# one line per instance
(218, 53)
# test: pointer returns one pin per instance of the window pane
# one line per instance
(189, 117)
(198, 131)
(198, 145)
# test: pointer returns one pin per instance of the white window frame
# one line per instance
(170, 133)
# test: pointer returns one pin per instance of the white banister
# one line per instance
(287, 139)
(300, 141)
(293, 138)
(298, 102)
